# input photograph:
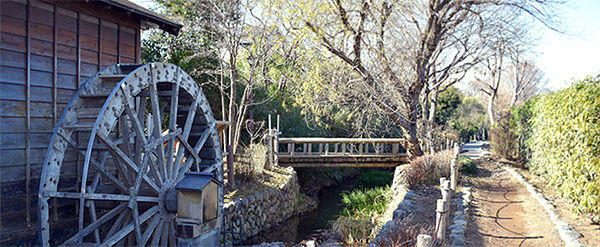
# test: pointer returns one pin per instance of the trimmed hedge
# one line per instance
(565, 143)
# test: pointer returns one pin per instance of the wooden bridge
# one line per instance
(338, 152)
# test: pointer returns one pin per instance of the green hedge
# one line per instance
(565, 143)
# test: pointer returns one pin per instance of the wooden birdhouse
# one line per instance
(197, 197)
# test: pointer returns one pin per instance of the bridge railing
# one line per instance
(338, 147)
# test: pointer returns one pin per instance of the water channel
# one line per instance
(296, 229)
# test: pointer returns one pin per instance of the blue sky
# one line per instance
(563, 57)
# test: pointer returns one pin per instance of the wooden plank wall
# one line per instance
(47, 50)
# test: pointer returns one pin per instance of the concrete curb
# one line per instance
(461, 218)
(567, 233)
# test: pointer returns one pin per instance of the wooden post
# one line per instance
(454, 168)
(424, 240)
(453, 175)
(440, 226)
(230, 166)
(276, 145)
(270, 143)
(446, 195)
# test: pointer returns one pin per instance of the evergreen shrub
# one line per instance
(565, 143)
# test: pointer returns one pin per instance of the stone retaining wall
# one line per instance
(401, 205)
(246, 217)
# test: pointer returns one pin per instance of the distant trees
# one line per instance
(525, 81)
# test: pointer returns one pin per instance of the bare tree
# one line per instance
(525, 80)
(400, 50)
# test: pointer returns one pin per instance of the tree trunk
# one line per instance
(490, 108)
(496, 78)
(413, 149)
(514, 98)
(232, 103)
(433, 105)
(412, 142)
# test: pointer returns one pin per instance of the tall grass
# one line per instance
(359, 221)
(357, 229)
(361, 200)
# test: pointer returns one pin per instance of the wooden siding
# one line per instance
(47, 50)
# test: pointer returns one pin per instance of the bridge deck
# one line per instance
(340, 152)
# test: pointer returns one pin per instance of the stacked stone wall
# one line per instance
(247, 217)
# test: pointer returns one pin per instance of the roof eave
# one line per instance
(146, 15)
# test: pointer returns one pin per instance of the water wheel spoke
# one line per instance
(94, 225)
(92, 209)
(150, 229)
(109, 143)
(126, 144)
(213, 167)
(98, 196)
(172, 124)
(157, 143)
(99, 166)
(165, 234)
(142, 140)
(157, 233)
(94, 185)
(186, 166)
(172, 238)
(135, 122)
(118, 223)
(190, 118)
(112, 240)
(192, 151)
(136, 220)
(157, 122)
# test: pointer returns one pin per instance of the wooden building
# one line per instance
(47, 50)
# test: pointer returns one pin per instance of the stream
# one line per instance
(296, 229)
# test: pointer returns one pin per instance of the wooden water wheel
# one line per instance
(122, 143)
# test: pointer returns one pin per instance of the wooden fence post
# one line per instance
(454, 168)
(446, 196)
(440, 226)
(424, 240)
(230, 166)
(270, 145)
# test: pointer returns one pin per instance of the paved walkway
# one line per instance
(475, 150)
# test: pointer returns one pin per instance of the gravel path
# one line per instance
(507, 210)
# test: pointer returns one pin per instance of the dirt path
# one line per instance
(504, 213)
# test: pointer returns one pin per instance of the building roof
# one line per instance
(195, 181)
(146, 15)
